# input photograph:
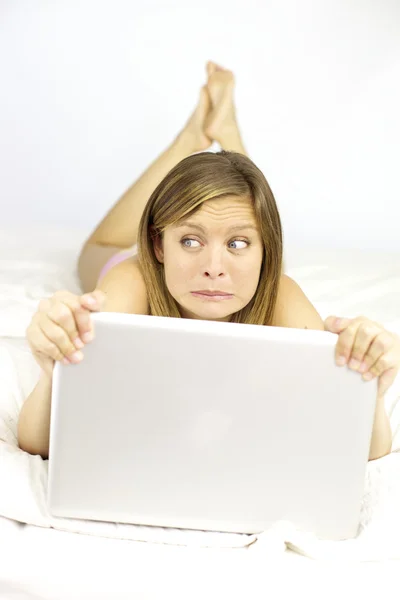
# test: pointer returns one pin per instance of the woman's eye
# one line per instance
(185, 243)
(189, 243)
(239, 242)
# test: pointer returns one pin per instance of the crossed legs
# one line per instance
(214, 118)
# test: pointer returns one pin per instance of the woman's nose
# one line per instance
(214, 266)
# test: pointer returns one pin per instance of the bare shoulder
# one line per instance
(294, 309)
(125, 288)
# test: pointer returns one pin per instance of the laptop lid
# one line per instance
(209, 425)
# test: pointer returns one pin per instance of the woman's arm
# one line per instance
(381, 441)
(34, 419)
(125, 292)
(125, 288)
(293, 308)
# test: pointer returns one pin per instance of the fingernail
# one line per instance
(76, 356)
(89, 300)
(368, 376)
(87, 337)
(363, 367)
(78, 343)
(65, 361)
(354, 364)
(337, 323)
(341, 360)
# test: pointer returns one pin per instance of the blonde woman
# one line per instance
(210, 246)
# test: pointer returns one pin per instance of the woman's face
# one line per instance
(219, 248)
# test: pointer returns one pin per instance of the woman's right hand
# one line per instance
(61, 327)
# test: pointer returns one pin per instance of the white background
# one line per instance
(91, 92)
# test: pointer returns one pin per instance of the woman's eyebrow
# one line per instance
(201, 228)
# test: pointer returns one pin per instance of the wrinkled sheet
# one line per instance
(344, 283)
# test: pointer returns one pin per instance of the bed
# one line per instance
(44, 560)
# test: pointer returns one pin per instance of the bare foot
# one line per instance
(193, 133)
(221, 120)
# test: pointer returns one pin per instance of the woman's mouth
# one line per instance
(216, 295)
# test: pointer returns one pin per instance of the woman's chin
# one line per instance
(209, 313)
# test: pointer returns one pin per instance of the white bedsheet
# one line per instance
(48, 564)
(340, 283)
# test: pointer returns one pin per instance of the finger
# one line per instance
(44, 305)
(83, 323)
(40, 343)
(83, 330)
(345, 343)
(58, 336)
(364, 338)
(386, 361)
(61, 314)
(94, 301)
(380, 346)
(66, 318)
(336, 324)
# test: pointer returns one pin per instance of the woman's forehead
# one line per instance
(230, 211)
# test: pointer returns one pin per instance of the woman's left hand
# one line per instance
(368, 348)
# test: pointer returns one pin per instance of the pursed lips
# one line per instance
(211, 293)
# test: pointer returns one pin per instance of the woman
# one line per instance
(209, 247)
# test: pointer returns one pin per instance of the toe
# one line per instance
(210, 68)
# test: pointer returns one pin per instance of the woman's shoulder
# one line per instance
(293, 308)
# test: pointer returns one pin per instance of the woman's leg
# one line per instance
(214, 116)
(213, 119)
(119, 228)
(221, 123)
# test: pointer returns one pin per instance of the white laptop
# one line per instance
(209, 425)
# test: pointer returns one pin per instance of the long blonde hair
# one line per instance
(194, 180)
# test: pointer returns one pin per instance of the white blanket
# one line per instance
(24, 477)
